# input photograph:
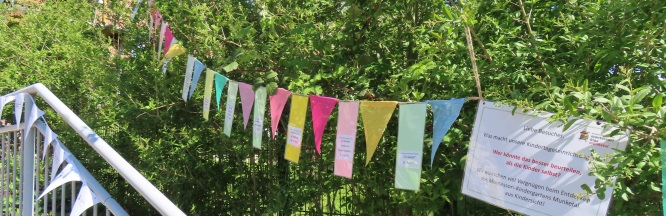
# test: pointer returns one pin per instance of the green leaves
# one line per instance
(230, 67)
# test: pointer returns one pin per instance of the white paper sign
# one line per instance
(409, 159)
(344, 149)
(206, 104)
(524, 163)
(295, 135)
(231, 106)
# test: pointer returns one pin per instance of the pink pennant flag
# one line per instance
(277, 105)
(346, 138)
(158, 18)
(321, 110)
(247, 99)
(168, 37)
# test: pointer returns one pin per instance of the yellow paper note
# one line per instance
(299, 106)
(376, 115)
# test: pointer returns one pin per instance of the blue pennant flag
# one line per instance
(445, 113)
(198, 68)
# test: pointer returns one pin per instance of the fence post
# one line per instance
(28, 170)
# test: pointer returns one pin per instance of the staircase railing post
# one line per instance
(28, 167)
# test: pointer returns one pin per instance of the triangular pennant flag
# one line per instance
(49, 136)
(32, 114)
(445, 113)
(411, 126)
(158, 19)
(59, 156)
(84, 200)
(277, 106)
(18, 107)
(259, 111)
(220, 81)
(321, 110)
(299, 107)
(3, 101)
(168, 39)
(208, 90)
(247, 99)
(161, 40)
(175, 51)
(376, 115)
(136, 10)
(69, 173)
(198, 68)
(232, 93)
(346, 138)
(188, 76)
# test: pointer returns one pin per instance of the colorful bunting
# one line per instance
(198, 68)
(231, 107)
(247, 99)
(188, 76)
(220, 81)
(299, 106)
(84, 200)
(411, 126)
(321, 110)
(277, 106)
(168, 39)
(346, 138)
(259, 110)
(208, 89)
(445, 113)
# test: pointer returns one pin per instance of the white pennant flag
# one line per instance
(68, 174)
(188, 76)
(162, 32)
(84, 200)
(59, 156)
(32, 113)
(49, 136)
(18, 107)
(2, 103)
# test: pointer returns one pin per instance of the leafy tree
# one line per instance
(598, 60)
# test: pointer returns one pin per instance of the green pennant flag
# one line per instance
(220, 81)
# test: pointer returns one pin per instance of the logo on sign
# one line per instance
(584, 135)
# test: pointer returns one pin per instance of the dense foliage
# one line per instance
(594, 60)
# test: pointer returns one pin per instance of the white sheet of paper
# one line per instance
(295, 136)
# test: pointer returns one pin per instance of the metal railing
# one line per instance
(24, 172)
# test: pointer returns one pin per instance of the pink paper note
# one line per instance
(321, 110)
(346, 138)
(168, 37)
(277, 105)
(247, 99)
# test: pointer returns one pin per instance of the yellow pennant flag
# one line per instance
(376, 115)
(174, 51)
(299, 106)
(208, 90)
